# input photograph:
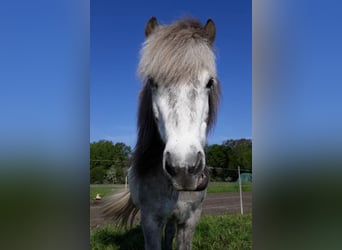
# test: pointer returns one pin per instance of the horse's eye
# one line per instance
(152, 84)
(210, 83)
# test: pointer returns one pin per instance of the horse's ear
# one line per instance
(210, 30)
(150, 26)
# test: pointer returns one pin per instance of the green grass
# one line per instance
(224, 187)
(214, 187)
(224, 232)
(212, 233)
(114, 238)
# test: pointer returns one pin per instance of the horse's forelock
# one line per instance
(177, 53)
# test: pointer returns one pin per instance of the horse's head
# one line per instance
(179, 65)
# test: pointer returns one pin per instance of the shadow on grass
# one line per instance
(116, 238)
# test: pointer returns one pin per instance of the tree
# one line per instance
(217, 156)
(108, 161)
(97, 174)
(116, 174)
(226, 158)
(241, 153)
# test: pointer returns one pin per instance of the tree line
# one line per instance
(109, 162)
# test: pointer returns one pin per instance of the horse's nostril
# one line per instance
(197, 167)
(199, 160)
(191, 169)
(192, 165)
(168, 165)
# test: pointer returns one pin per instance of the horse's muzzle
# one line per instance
(189, 175)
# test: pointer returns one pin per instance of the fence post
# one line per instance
(241, 205)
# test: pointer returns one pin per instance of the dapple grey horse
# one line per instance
(177, 108)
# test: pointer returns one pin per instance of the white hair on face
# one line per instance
(177, 53)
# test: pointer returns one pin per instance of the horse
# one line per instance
(178, 104)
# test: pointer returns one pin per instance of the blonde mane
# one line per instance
(177, 53)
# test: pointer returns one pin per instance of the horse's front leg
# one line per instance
(185, 231)
(170, 230)
(152, 229)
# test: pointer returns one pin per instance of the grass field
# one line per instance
(224, 232)
(214, 187)
(224, 187)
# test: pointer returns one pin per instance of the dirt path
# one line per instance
(227, 203)
(214, 204)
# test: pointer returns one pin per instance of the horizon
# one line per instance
(207, 144)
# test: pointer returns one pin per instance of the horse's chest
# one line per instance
(187, 204)
(156, 195)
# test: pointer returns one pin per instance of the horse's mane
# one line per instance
(177, 53)
(149, 149)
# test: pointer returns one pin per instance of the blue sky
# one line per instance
(116, 35)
